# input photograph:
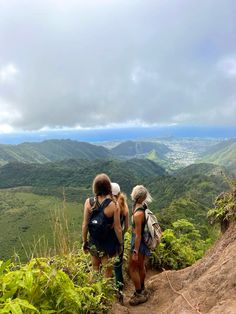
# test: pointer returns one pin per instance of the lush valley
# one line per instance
(32, 193)
(28, 222)
(41, 209)
(32, 188)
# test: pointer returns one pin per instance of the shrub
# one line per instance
(55, 285)
(180, 247)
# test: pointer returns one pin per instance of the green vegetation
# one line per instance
(188, 197)
(180, 247)
(41, 209)
(134, 148)
(223, 154)
(26, 212)
(183, 243)
(58, 150)
(224, 210)
(78, 173)
(51, 150)
(54, 285)
(27, 221)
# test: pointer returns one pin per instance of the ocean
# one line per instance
(121, 134)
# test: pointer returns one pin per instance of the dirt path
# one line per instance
(145, 308)
(206, 287)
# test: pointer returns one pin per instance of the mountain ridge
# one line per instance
(134, 148)
(77, 172)
(51, 150)
(223, 154)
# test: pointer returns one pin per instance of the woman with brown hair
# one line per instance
(140, 197)
(102, 222)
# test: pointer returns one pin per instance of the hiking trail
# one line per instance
(206, 287)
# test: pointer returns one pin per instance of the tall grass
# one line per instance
(63, 242)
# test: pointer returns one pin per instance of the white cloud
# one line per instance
(116, 62)
(140, 74)
(182, 117)
(228, 66)
(8, 114)
(6, 128)
(7, 72)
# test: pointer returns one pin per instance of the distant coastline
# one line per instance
(121, 134)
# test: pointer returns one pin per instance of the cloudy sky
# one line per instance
(92, 63)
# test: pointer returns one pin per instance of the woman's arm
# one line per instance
(87, 211)
(126, 219)
(117, 225)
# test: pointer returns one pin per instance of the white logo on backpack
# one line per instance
(153, 235)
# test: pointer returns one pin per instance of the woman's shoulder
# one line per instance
(87, 205)
(139, 209)
(112, 205)
(139, 212)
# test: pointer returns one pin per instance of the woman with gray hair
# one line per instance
(140, 197)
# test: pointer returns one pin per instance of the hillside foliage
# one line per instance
(54, 285)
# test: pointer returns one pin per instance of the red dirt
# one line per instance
(207, 287)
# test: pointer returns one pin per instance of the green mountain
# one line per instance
(78, 173)
(207, 169)
(26, 211)
(135, 148)
(188, 194)
(223, 154)
(51, 150)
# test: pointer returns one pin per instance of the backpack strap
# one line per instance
(92, 201)
(105, 203)
(142, 209)
(99, 206)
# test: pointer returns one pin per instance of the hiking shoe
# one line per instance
(137, 298)
(120, 297)
(145, 292)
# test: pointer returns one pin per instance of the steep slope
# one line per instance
(188, 194)
(134, 148)
(207, 287)
(208, 169)
(51, 150)
(223, 154)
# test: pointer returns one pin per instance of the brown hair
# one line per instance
(102, 185)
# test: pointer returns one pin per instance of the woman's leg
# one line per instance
(134, 273)
(106, 263)
(96, 262)
(134, 270)
(142, 270)
(118, 272)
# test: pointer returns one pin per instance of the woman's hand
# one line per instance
(135, 256)
(85, 247)
(87, 212)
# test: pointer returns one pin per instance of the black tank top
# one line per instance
(143, 223)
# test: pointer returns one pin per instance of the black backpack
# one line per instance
(98, 225)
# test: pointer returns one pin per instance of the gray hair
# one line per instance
(139, 192)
